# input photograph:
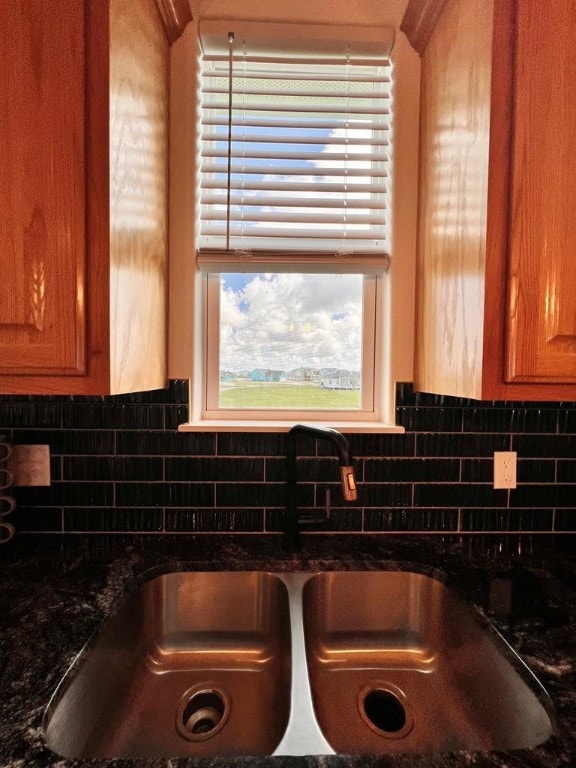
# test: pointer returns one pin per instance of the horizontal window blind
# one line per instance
(295, 156)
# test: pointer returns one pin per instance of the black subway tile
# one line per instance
(566, 472)
(389, 444)
(251, 444)
(411, 470)
(36, 518)
(458, 495)
(567, 419)
(32, 415)
(174, 415)
(500, 419)
(431, 520)
(430, 419)
(552, 495)
(535, 471)
(487, 419)
(165, 494)
(545, 446)
(216, 521)
(466, 445)
(107, 416)
(144, 442)
(113, 468)
(214, 468)
(259, 494)
(66, 494)
(477, 470)
(70, 442)
(385, 495)
(275, 470)
(404, 393)
(55, 469)
(113, 519)
(565, 520)
(506, 520)
(432, 400)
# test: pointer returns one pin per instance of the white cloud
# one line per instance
(284, 321)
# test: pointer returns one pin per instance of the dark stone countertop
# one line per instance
(55, 592)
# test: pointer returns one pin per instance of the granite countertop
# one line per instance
(55, 592)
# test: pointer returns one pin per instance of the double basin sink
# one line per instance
(255, 663)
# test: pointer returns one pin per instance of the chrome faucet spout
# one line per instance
(347, 477)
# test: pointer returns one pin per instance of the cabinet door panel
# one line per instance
(42, 194)
(542, 303)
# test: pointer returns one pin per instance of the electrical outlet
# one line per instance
(504, 469)
(30, 465)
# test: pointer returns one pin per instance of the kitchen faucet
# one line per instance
(292, 517)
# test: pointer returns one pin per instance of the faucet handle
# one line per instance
(349, 488)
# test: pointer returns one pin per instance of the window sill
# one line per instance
(221, 425)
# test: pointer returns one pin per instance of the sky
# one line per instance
(285, 321)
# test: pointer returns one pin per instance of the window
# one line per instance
(293, 221)
(290, 343)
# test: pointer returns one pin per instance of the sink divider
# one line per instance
(303, 735)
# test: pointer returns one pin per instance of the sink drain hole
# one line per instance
(383, 708)
(384, 711)
(202, 713)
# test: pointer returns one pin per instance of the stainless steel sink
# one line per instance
(193, 664)
(398, 663)
(253, 663)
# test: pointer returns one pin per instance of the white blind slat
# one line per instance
(262, 138)
(297, 202)
(314, 124)
(290, 233)
(336, 217)
(314, 173)
(279, 155)
(270, 187)
(312, 109)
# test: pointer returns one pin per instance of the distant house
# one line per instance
(266, 374)
(226, 376)
(304, 374)
(340, 379)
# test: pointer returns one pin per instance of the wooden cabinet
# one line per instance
(42, 189)
(496, 312)
(83, 196)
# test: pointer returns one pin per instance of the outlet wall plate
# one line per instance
(30, 465)
(505, 469)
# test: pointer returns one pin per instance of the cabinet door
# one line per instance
(542, 290)
(42, 187)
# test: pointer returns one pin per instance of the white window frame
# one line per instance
(370, 409)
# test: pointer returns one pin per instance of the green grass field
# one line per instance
(254, 394)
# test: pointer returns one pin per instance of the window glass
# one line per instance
(290, 340)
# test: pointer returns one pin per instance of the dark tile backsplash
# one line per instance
(118, 464)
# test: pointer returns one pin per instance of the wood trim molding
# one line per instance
(175, 15)
(419, 21)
